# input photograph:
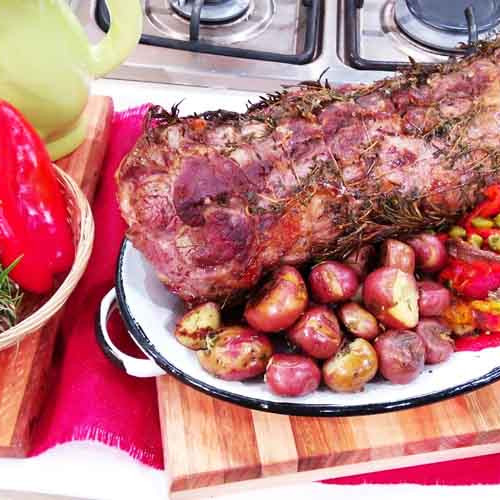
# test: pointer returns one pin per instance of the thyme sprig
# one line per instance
(10, 298)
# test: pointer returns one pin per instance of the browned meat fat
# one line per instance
(216, 200)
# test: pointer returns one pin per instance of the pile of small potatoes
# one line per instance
(344, 326)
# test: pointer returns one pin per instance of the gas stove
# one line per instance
(259, 45)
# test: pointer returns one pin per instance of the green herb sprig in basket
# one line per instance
(10, 298)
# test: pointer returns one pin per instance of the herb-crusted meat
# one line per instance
(215, 201)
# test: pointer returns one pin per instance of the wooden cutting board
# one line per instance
(24, 368)
(212, 447)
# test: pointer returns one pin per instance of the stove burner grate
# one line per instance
(444, 25)
(208, 11)
(456, 34)
(449, 15)
(212, 11)
(195, 43)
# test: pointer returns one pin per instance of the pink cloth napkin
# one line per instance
(89, 397)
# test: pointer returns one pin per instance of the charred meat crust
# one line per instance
(217, 200)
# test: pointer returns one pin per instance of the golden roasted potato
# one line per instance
(191, 330)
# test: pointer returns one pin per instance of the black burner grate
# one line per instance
(212, 11)
(449, 27)
(352, 52)
(306, 55)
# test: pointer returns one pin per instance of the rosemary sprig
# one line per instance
(10, 298)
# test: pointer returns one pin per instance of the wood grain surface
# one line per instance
(213, 447)
(24, 368)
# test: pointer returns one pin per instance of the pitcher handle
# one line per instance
(123, 35)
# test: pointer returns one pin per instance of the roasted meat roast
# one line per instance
(217, 200)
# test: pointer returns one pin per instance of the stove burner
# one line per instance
(444, 25)
(449, 15)
(281, 31)
(212, 11)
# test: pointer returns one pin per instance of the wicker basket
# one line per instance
(82, 223)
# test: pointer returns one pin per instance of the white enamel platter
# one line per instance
(150, 312)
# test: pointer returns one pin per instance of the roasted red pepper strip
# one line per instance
(477, 342)
(473, 280)
(33, 216)
(486, 315)
(491, 206)
(488, 208)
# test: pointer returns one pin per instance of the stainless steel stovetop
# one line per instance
(262, 44)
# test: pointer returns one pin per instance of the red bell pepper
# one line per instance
(477, 342)
(488, 208)
(33, 216)
(473, 280)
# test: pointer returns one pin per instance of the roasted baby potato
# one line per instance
(191, 330)
(437, 341)
(395, 253)
(392, 296)
(351, 368)
(280, 302)
(359, 321)
(331, 281)
(401, 355)
(292, 375)
(236, 353)
(430, 252)
(433, 298)
(317, 333)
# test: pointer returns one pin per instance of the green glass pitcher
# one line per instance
(47, 63)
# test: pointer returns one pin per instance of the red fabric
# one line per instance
(90, 398)
(478, 470)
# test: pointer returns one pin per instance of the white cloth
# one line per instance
(94, 471)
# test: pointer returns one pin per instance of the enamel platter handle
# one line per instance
(137, 367)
